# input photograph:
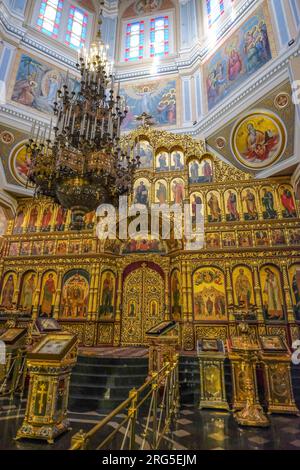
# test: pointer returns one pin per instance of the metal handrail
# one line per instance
(162, 411)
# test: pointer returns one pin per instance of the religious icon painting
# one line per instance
(161, 192)
(287, 201)
(245, 239)
(197, 206)
(14, 249)
(294, 236)
(214, 206)
(37, 248)
(25, 249)
(213, 240)
(132, 309)
(249, 202)
(62, 247)
(154, 309)
(162, 161)
(268, 203)
(46, 219)
(19, 163)
(89, 220)
(200, 171)
(261, 238)
(231, 206)
(177, 160)
(33, 219)
(107, 296)
(145, 151)
(74, 247)
(88, 246)
(60, 219)
(176, 295)
(278, 237)
(258, 140)
(75, 293)
(209, 295)
(29, 284)
(19, 221)
(9, 286)
(294, 275)
(47, 296)
(49, 247)
(177, 190)
(228, 239)
(243, 286)
(142, 244)
(273, 305)
(142, 192)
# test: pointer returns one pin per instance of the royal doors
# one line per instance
(143, 304)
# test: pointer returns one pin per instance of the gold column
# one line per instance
(17, 291)
(96, 292)
(167, 312)
(257, 293)
(117, 324)
(36, 297)
(189, 291)
(223, 211)
(184, 291)
(91, 293)
(258, 203)
(229, 290)
(58, 293)
(287, 293)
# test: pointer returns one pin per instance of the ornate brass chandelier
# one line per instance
(84, 165)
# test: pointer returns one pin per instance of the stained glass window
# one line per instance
(215, 8)
(49, 17)
(76, 28)
(134, 41)
(159, 36)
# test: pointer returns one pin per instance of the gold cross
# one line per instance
(41, 392)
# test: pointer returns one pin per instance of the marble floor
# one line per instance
(194, 430)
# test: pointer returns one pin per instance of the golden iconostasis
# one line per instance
(111, 293)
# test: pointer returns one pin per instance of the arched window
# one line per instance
(63, 20)
(50, 17)
(215, 8)
(134, 42)
(159, 36)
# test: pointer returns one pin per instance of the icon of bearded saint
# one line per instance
(260, 144)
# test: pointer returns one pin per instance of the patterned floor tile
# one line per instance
(184, 421)
(218, 436)
(296, 443)
(291, 430)
(186, 412)
(258, 440)
(181, 433)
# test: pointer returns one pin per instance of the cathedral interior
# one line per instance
(143, 339)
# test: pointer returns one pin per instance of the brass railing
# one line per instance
(13, 374)
(160, 397)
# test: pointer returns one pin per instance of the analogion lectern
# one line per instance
(163, 340)
(49, 364)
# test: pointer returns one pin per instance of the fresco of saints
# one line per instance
(48, 296)
(271, 290)
(207, 171)
(33, 219)
(175, 288)
(296, 291)
(196, 204)
(162, 162)
(215, 210)
(232, 207)
(161, 193)
(288, 204)
(235, 65)
(146, 155)
(249, 199)
(243, 289)
(8, 293)
(268, 203)
(177, 159)
(141, 194)
(106, 307)
(46, 219)
(178, 191)
(28, 291)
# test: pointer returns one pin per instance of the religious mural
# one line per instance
(243, 286)
(231, 206)
(177, 191)
(143, 244)
(268, 203)
(157, 98)
(209, 295)
(19, 164)
(288, 205)
(27, 291)
(196, 203)
(258, 140)
(162, 160)
(214, 207)
(177, 160)
(9, 286)
(161, 192)
(74, 297)
(145, 151)
(246, 51)
(107, 296)
(141, 192)
(271, 282)
(48, 291)
(249, 202)
(37, 83)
